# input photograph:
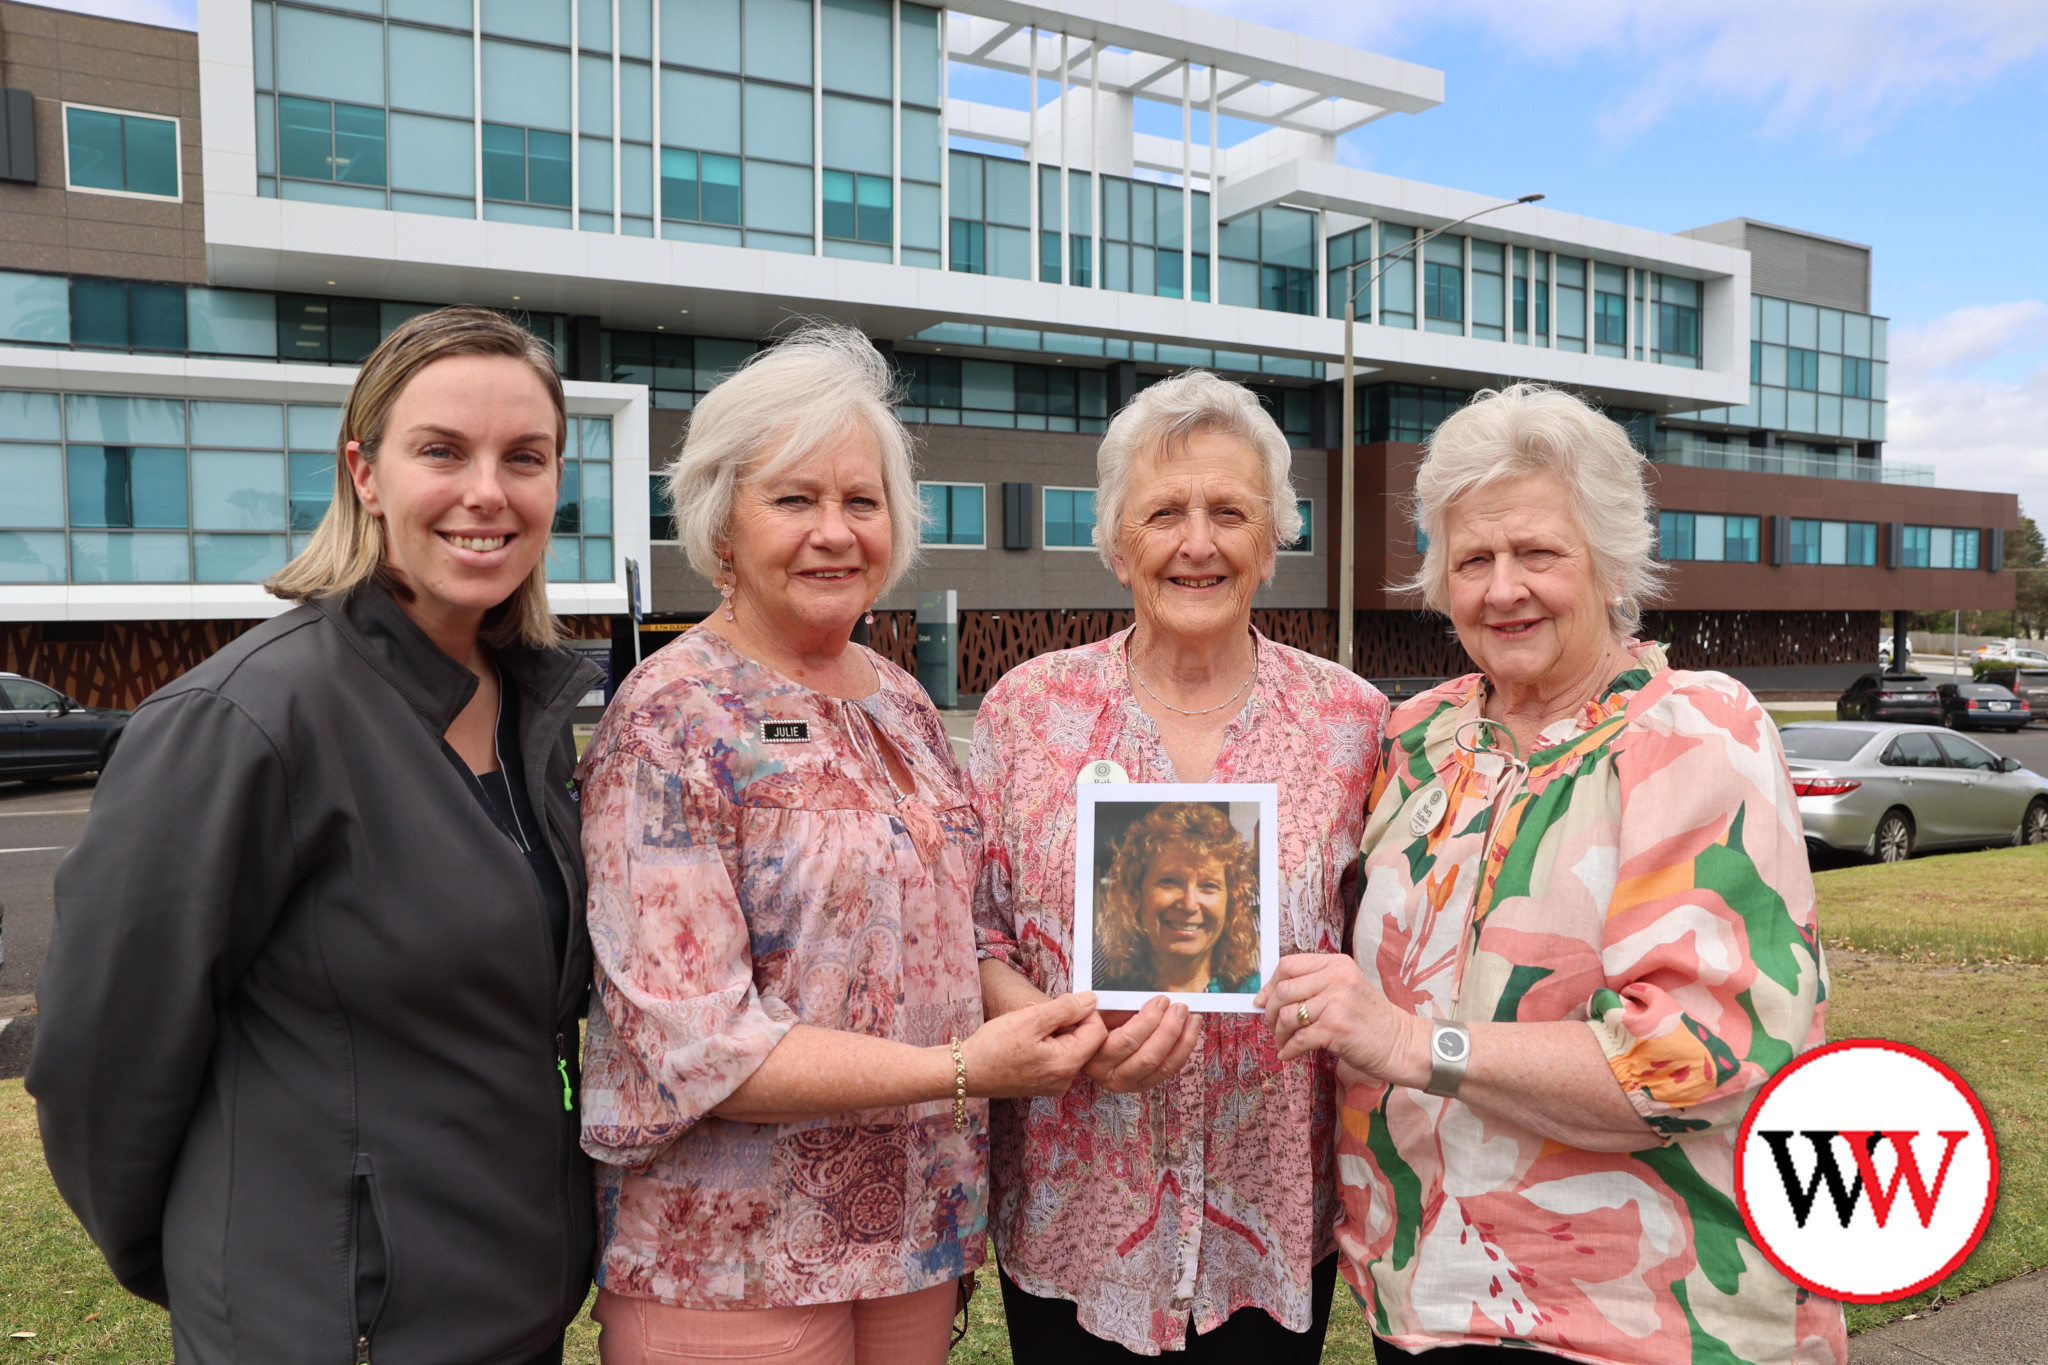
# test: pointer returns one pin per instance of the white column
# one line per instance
(1066, 167)
(654, 128)
(895, 133)
(1187, 188)
(618, 130)
(1215, 194)
(476, 111)
(1465, 247)
(817, 133)
(1031, 152)
(945, 146)
(1095, 214)
(575, 118)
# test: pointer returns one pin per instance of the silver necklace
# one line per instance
(1132, 669)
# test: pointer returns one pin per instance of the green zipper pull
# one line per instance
(562, 1066)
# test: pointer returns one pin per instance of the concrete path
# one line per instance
(2006, 1324)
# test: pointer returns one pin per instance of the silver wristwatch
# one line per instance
(1450, 1051)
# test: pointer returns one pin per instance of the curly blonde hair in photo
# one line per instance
(1123, 956)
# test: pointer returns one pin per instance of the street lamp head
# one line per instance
(1528, 199)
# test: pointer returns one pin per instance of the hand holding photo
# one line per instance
(1176, 893)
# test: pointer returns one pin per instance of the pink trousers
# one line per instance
(908, 1329)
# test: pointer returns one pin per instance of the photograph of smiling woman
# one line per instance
(1179, 907)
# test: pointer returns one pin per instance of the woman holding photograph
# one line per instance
(1179, 910)
(1587, 938)
(1201, 1219)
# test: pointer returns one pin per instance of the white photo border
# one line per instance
(1265, 795)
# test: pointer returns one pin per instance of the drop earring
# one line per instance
(870, 617)
(725, 586)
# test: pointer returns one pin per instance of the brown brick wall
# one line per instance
(44, 227)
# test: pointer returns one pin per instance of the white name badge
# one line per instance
(1102, 770)
(1428, 812)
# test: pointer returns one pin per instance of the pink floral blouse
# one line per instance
(752, 867)
(1215, 1191)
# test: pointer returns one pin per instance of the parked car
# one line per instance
(1889, 696)
(1982, 706)
(2010, 651)
(1888, 791)
(2028, 684)
(45, 734)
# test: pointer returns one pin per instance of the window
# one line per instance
(1938, 547)
(314, 327)
(1707, 536)
(1855, 377)
(1678, 317)
(1069, 518)
(701, 187)
(1405, 412)
(944, 391)
(952, 514)
(1348, 249)
(121, 315)
(677, 369)
(1143, 246)
(116, 153)
(580, 549)
(991, 215)
(526, 165)
(1833, 542)
(324, 140)
(1571, 304)
(1489, 313)
(1269, 261)
(1756, 362)
(1802, 369)
(859, 208)
(1610, 320)
(661, 519)
(1305, 543)
(1443, 284)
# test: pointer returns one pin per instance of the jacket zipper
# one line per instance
(562, 1069)
(363, 1350)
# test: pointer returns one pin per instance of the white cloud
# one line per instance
(1850, 65)
(163, 13)
(1977, 430)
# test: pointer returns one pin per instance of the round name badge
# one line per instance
(1428, 812)
(1102, 770)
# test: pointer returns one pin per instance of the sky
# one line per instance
(1916, 127)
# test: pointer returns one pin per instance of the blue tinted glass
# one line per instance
(31, 486)
(777, 39)
(967, 515)
(150, 155)
(34, 308)
(237, 559)
(778, 122)
(31, 557)
(565, 559)
(679, 199)
(919, 34)
(124, 421)
(94, 142)
(100, 557)
(305, 145)
(312, 489)
(314, 427)
(504, 162)
(594, 437)
(233, 491)
(98, 485)
(434, 72)
(569, 501)
(99, 313)
(721, 188)
(359, 144)
(839, 209)
(547, 167)
(597, 559)
(156, 487)
(156, 317)
(436, 155)
(597, 498)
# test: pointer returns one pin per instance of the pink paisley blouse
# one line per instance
(753, 867)
(1216, 1190)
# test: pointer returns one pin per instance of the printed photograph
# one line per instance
(1175, 888)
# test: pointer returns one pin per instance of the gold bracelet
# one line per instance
(959, 1089)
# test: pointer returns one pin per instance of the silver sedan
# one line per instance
(1887, 791)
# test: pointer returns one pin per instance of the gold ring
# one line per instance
(1301, 1012)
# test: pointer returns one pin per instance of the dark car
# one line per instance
(1889, 696)
(44, 733)
(2030, 685)
(1983, 706)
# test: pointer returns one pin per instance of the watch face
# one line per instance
(1450, 1045)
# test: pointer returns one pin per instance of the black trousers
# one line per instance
(1384, 1354)
(1049, 1332)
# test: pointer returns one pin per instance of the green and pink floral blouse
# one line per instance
(1647, 876)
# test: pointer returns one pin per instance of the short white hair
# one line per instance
(785, 405)
(1164, 418)
(1534, 429)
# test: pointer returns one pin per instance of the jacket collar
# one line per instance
(432, 683)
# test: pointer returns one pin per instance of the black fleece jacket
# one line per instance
(305, 1049)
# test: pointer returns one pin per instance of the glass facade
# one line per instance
(1269, 261)
(1711, 537)
(1813, 372)
(1305, 543)
(948, 391)
(990, 212)
(1069, 518)
(1142, 239)
(953, 514)
(678, 370)
(110, 489)
(1404, 412)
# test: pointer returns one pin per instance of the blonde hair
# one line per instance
(1164, 417)
(349, 548)
(776, 411)
(1534, 429)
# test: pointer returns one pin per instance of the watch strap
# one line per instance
(1450, 1052)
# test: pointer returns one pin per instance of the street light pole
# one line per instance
(1347, 539)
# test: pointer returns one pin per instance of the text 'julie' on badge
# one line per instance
(785, 731)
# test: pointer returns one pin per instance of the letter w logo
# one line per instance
(1862, 1147)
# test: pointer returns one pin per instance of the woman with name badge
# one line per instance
(786, 1080)
(1180, 1197)
(1586, 939)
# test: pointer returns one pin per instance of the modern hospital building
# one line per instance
(1038, 209)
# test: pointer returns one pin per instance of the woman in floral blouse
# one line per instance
(1586, 938)
(1180, 1197)
(781, 852)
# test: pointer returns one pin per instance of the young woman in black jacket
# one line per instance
(305, 1061)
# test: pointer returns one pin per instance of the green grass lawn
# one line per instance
(1949, 954)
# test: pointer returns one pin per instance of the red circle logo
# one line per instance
(1866, 1170)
